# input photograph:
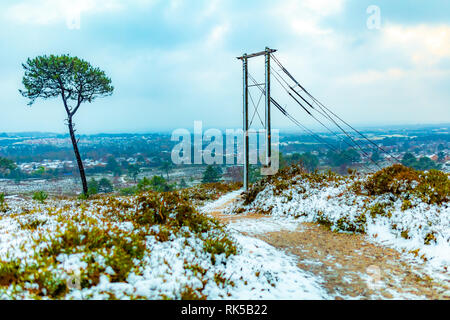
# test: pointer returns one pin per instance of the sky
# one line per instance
(173, 62)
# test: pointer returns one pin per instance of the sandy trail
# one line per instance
(351, 267)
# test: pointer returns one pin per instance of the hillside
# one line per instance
(149, 246)
(397, 207)
(295, 235)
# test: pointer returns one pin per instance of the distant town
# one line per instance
(44, 161)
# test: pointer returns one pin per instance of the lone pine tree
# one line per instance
(74, 80)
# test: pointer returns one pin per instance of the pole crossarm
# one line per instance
(252, 55)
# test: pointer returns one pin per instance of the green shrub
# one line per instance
(172, 209)
(83, 197)
(3, 206)
(324, 220)
(128, 191)
(15, 274)
(359, 225)
(157, 183)
(434, 187)
(218, 246)
(406, 204)
(378, 209)
(93, 186)
(9, 272)
(394, 179)
(105, 186)
(121, 250)
(40, 196)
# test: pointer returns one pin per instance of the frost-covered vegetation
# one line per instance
(149, 246)
(211, 191)
(406, 207)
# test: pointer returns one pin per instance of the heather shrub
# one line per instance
(394, 179)
(40, 196)
(434, 187)
(3, 206)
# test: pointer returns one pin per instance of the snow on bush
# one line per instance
(149, 246)
(405, 208)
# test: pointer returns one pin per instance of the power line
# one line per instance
(320, 122)
(323, 107)
(304, 128)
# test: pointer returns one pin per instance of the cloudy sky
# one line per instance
(174, 61)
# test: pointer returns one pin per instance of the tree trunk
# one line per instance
(77, 155)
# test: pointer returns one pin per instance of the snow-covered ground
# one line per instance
(334, 203)
(44, 254)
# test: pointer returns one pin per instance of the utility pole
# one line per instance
(245, 126)
(267, 118)
(244, 59)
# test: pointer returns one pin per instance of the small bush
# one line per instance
(83, 197)
(430, 238)
(434, 187)
(40, 196)
(32, 224)
(15, 274)
(281, 185)
(359, 225)
(128, 191)
(3, 206)
(9, 272)
(93, 186)
(173, 210)
(406, 204)
(324, 220)
(250, 195)
(405, 234)
(394, 179)
(284, 179)
(188, 293)
(378, 209)
(218, 246)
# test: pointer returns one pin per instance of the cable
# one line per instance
(323, 107)
(295, 121)
(322, 124)
(256, 109)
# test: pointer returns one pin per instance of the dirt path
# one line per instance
(350, 266)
